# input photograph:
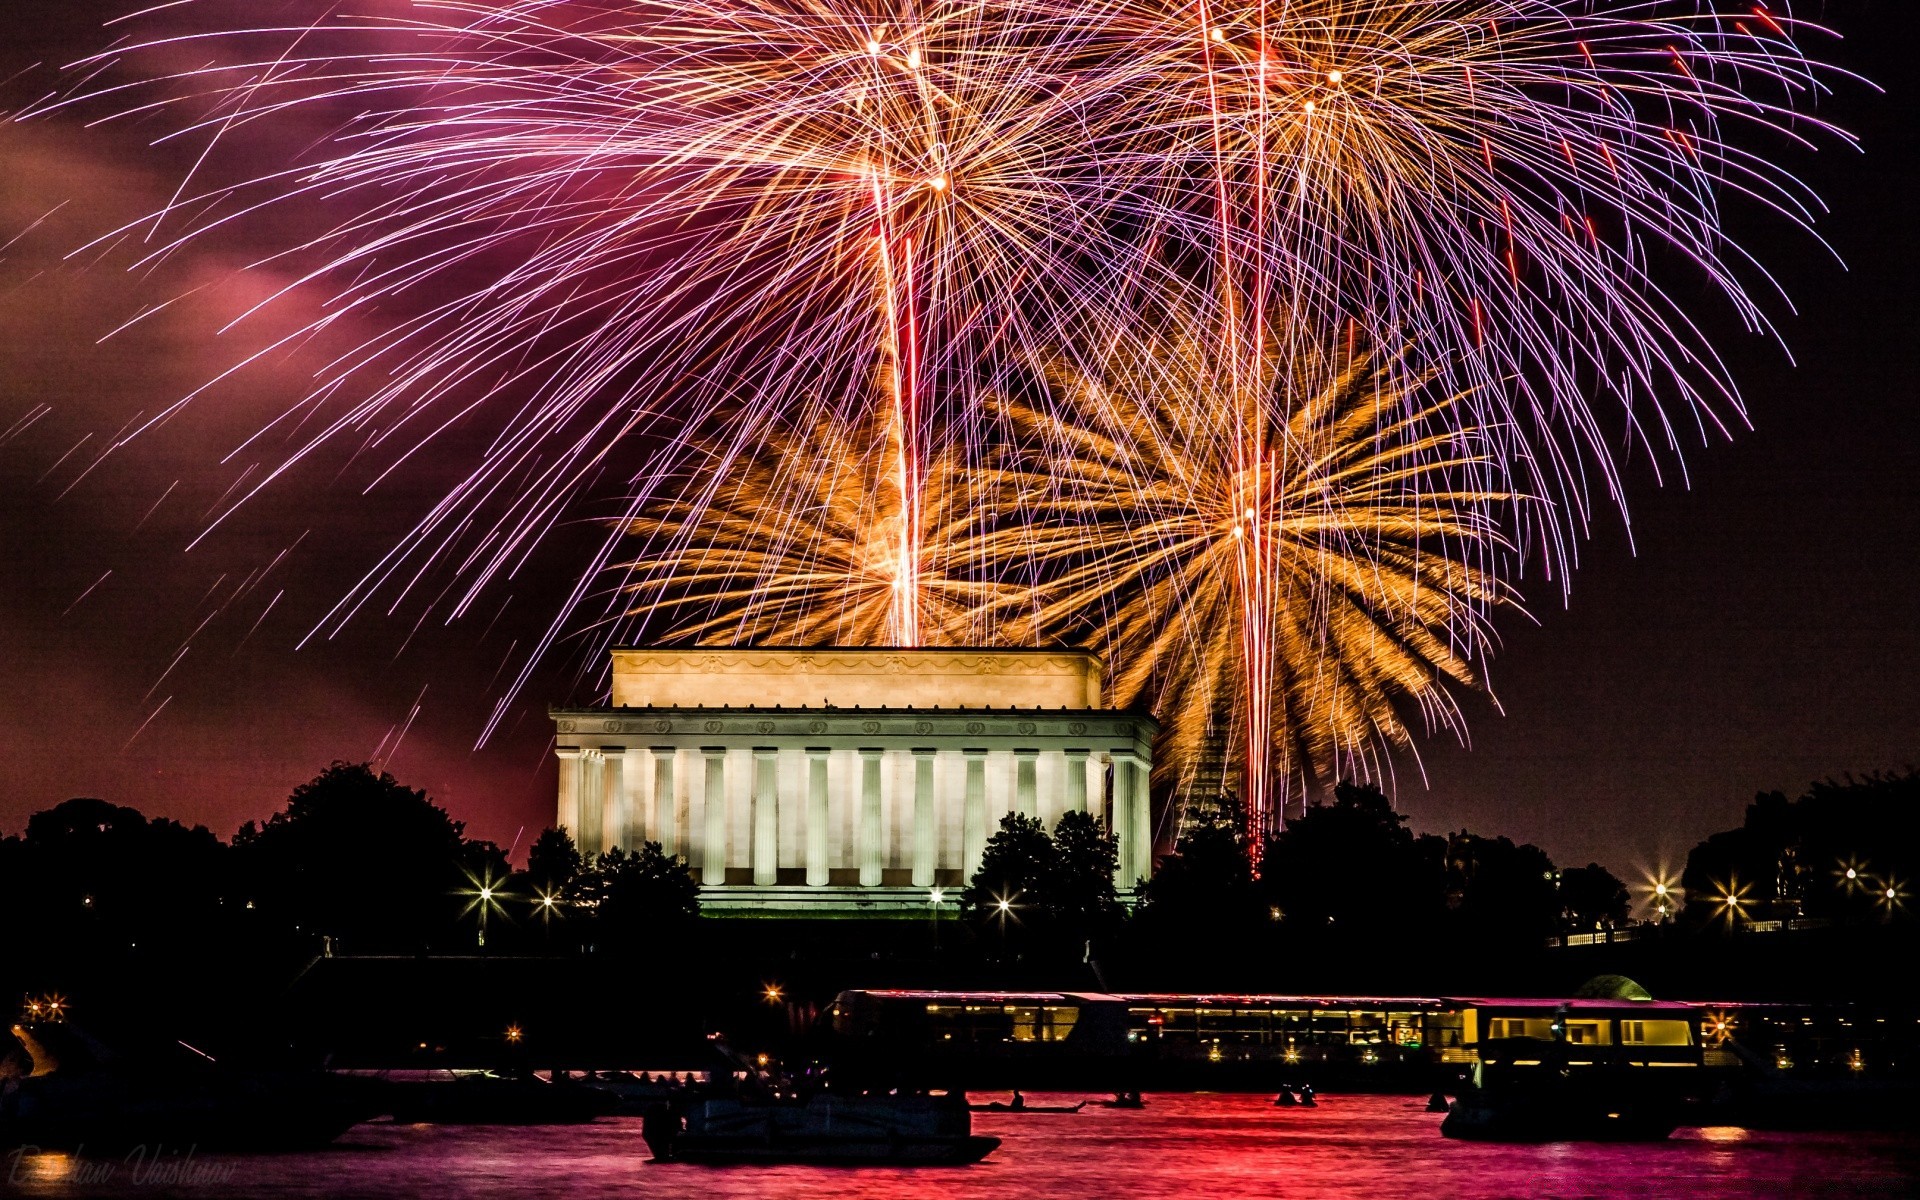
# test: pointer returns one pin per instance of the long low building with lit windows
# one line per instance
(848, 781)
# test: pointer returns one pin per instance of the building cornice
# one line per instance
(838, 724)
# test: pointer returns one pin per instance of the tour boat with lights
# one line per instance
(1582, 1069)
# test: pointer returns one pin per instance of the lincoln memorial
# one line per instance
(848, 780)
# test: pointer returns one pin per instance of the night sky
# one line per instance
(1755, 629)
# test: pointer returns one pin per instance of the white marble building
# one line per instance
(848, 780)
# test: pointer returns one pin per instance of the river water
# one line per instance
(1180, 1147)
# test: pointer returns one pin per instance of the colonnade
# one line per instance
(865, 816)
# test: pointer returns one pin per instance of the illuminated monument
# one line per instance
(848, 780)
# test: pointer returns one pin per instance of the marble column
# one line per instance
(1131, 822)
(1097, 789)
(870, 846)
(1076, 781)
(816, 816)
(1141, 799)
(568, 817)
(593, 790)
(926, 848)
(1026, 782)
(973, 819)
(666, 814)
(766, 815)
(713, 870)
(616, 822)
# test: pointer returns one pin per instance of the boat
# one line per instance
(1557, 1114)
(827, 1128)
(1579, 1069)
(1019, 1105)
(635, 1094)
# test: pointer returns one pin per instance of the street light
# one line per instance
(1663, 894)
(1890, 895)
(1852, 874)
(1732, 895)
(484, 897)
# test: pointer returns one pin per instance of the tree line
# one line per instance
(356, 863)
(1345, 873)
(359, 863)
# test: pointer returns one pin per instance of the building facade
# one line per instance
(848, 780)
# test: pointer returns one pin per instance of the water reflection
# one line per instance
(1715, 1133)
(1185, 1147)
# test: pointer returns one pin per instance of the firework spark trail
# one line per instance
(128, 744)
(88, 592)
(604, 228)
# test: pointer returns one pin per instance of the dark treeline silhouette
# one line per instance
(1844, 851)
(105, 903)
(1347, 895)
(357, 863)
(159, 931)
(1345, 891)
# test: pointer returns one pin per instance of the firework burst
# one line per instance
(1361, 540)
(614, 234)
(773, 550)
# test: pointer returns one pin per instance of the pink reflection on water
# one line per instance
(1180, 1147)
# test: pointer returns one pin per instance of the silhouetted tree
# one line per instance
(361, 858)
(1504, 893)
(1352, 865)
(103, 877)
(1083, 896)
(1012, 891)
(1592, 898)
(552, 861)
(637, 899)
(1792, 858)
(1207, 881)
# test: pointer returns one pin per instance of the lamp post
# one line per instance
(484, 896)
